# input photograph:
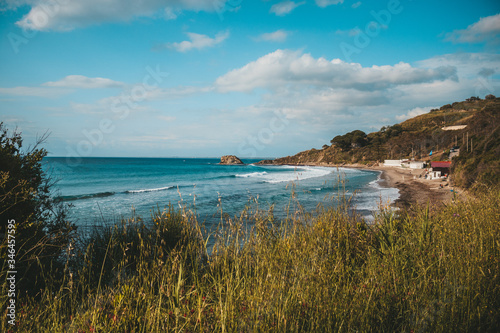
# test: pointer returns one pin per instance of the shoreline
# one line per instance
(412, 189)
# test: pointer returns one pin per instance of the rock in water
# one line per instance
(230, 159)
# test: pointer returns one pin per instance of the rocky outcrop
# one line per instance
(265, 162)
(230, 160)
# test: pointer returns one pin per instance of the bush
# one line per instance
(41, 229)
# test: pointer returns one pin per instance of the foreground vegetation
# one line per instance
(407, 272)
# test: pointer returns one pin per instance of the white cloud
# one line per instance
(83, 82)
(475, 71)
(276, 36)
(486, 29)
(326, 3)
(415, 112)
(62, 87)
(284, 67)
(356, 4)
(34, 92)
(176, 92)
(468, 65)
(70, 14)
(320, 94)
(198, 41)
(124, 103)
(168, 119)
(285, 7)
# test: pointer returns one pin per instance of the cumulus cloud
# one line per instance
(285, 7)
(285, 67)
(468, 65)
(486, 29)
(69, 14)
(83, 82)
(326, 3)
(319, 93)
(198, 41)
(276, 36)
(415, 112)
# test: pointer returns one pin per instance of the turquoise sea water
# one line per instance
(104, 189)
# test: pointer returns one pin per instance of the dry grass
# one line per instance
(328, 272)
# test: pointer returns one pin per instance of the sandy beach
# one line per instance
(413, 189)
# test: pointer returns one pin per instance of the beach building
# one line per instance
(443, 167)
(434, 174)
(454, 128)
(416, 165)
(393, 163)
(412, 164)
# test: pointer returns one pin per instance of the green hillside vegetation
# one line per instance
(415, 138)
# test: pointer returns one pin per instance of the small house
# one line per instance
(442, 166)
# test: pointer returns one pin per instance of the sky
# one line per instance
(253, 78)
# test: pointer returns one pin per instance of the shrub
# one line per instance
(41, 229)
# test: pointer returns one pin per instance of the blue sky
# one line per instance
(260, 78)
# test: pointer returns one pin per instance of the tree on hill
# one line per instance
(392, 131)
(354, 139)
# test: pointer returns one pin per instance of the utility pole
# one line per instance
(467, 141)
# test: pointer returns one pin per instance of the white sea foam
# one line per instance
(252, 174)
(150, 190)
(376, 195)
(298, 173)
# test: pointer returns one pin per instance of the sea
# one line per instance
(104, 190)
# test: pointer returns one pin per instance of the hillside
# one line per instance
(479, 142)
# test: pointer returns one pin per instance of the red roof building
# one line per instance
(441, 164)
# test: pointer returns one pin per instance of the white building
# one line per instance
(434, 174)
(393, 163)
(416, 165)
